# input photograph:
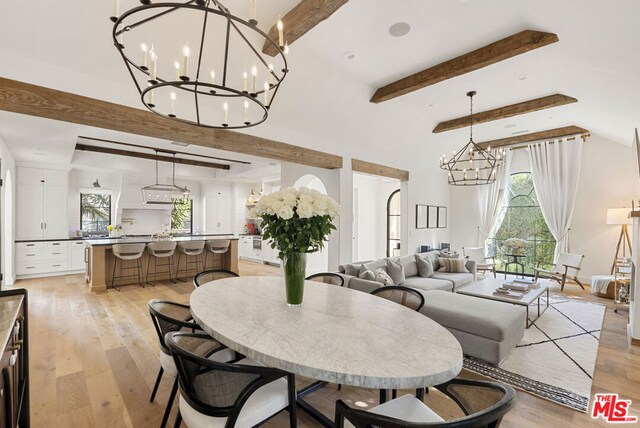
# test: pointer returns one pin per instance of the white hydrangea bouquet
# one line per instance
(297, 221)
(515, 245)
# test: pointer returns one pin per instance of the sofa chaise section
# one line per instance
(486, 329)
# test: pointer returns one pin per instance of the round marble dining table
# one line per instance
(337, 335)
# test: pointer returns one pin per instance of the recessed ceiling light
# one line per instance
(39, 154)
(350, 56)
(511, 125)
(520, 132)
(522, 78)
(399, 29)
(430, 105)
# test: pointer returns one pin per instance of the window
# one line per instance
(182, 216)
(95, 213)
(393, 224)
(522, 219)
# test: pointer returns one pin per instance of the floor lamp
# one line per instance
(620, 216)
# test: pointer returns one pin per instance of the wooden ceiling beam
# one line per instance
(150, 156)
(39, 101)
(302, 19)
(524, 107)
(506, 48)
(370, 168)
(549, 134)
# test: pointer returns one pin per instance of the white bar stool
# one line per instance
(216, 246)
(161, 250)
(124, 252)
(189, 249)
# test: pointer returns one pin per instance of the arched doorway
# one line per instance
(394, 221)
(7, 234)
(316, 262)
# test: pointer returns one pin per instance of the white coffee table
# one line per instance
(485, 290)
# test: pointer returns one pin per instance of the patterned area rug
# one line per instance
(557, 356)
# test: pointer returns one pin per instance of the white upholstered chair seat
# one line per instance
(406, 408)
(263, 403)
(169, 366)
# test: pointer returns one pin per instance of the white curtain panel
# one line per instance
(555, 169)
(491, 200)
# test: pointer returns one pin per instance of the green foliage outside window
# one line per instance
(523, 219)
(95, 213)
(181, 216)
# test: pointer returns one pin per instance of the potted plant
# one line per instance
(298, 222)
(515, 246)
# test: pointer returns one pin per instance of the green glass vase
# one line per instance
(295, 267)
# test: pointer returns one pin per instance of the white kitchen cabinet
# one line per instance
(245, 250)
(30, 221)
(42, 204)
(269, 255)
(42, 257)
(77, 259)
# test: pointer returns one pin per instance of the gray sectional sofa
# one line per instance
(438, 281)
(486, 329)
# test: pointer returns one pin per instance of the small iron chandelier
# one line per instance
(164, 194)
(223, 81)
(472, 165)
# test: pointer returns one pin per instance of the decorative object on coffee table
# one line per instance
(297, 221)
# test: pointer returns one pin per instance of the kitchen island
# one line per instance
(100, 259)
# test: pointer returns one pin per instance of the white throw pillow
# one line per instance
(383, 277)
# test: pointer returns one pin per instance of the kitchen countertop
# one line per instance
(101, 238)
(147, 239)
(9, 308)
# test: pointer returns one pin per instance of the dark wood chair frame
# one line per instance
(189, 324)
(401, 288)
(560, 278)
(325, 275)
(266, 376)
(489, 417)
(210, 271)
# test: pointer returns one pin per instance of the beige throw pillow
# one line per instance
(383, 277)
(395, 269)
(425, 267)
(452, 265)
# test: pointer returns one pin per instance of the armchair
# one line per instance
(483, 263)
(567, 266)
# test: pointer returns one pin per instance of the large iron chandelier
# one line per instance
(195, 62)
(472, 165)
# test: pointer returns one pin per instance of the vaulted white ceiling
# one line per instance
(324, 102)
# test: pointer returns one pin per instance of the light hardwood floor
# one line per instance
(94, 359)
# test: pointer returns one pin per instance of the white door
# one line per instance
(30, 211)
(219, 214)
(56, 224)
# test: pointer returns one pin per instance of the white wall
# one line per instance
(608, 179)
(6, 239)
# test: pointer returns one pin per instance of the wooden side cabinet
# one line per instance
(14, 363)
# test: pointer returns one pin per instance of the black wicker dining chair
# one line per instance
(483, 403)
(212, 275)
(327, 278)
(406, 296)
(243, 394)
(169, 317)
